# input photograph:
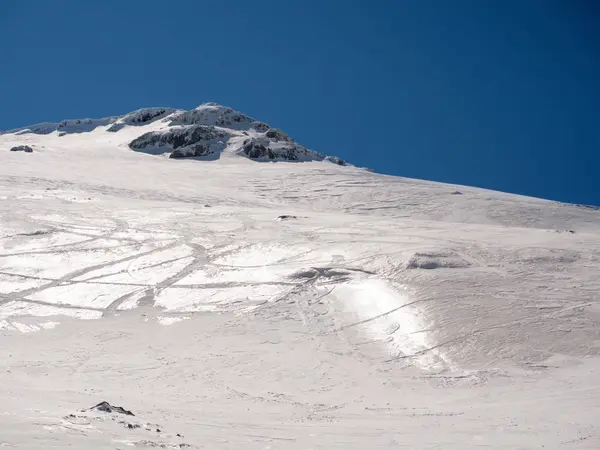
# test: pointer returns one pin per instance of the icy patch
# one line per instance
(384, 314)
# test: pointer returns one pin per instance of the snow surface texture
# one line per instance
(235, 304)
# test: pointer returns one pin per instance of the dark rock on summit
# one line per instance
(22, 148)
(212, 114)
(148, 115)
(140, 117)
(260, 126)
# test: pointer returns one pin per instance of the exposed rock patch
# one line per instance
(82, 125)
(198, 140)
(277, 135)
(335, 160)
(264, 149)
(211, 114)
(140, 117)
(22, 148)
(108, 408)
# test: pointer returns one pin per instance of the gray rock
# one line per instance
(277, 135)
(335, 160)
(191, 141)
(108, 408)
(22, 148)
(140, 117)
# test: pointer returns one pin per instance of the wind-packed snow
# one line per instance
(263, 296)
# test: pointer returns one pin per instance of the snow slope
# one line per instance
(381, 309)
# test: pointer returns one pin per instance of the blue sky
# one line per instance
(498, 94)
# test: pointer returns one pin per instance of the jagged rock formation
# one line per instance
(192, 141)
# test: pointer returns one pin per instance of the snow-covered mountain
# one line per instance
(205, 131)
(220, 286)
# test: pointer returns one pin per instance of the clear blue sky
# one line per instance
(502, 94)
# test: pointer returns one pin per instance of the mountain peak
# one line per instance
(209, 105)
(201, 133)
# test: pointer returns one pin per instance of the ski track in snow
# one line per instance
(380, 309)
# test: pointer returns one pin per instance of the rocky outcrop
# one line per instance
(193, 141)
(211, 114)
(277, 135)
(254, 149)
(192, 152)
(108, 408)
(82, 125)
(140, 117)
(22, 148)
(336, 160)
(265, 149)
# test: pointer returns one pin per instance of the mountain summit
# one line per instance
(203, 133)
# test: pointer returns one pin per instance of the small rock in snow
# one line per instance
(22, 148)
(108, 408)
(286, 217)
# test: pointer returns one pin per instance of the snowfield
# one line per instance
(249, 293)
